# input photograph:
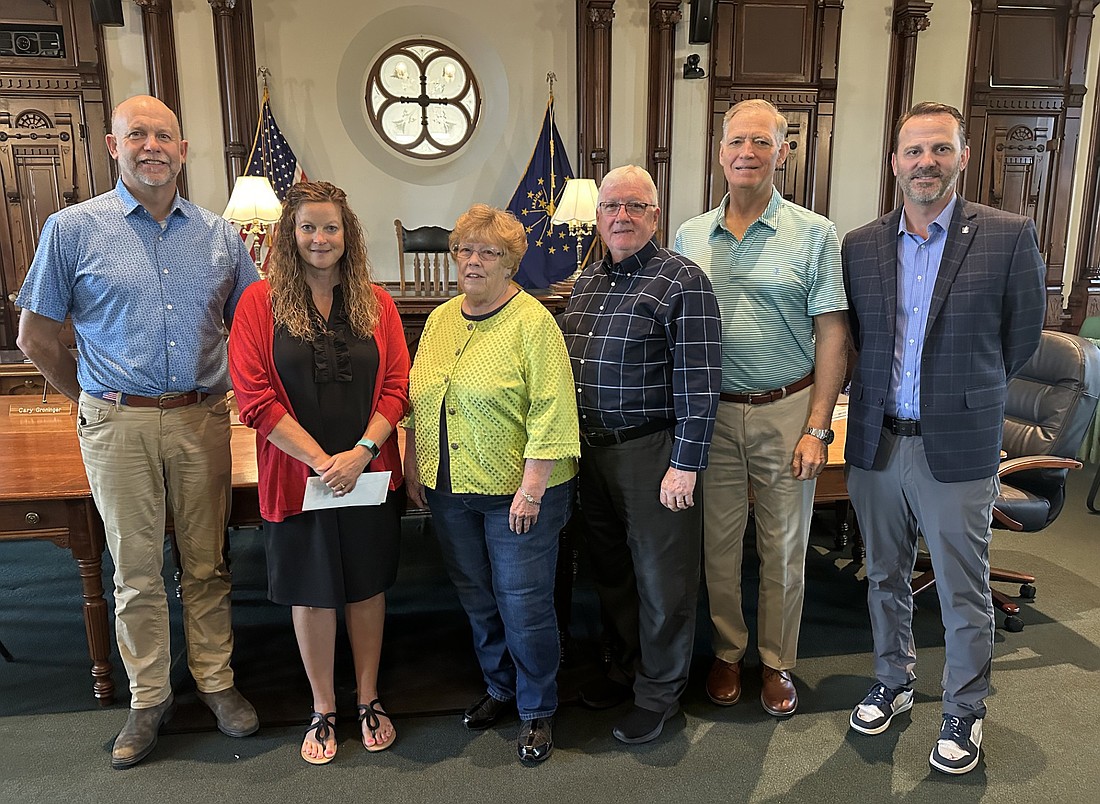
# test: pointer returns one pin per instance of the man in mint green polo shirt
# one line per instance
(775, 268)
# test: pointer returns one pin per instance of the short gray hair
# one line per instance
(757, 105)
(631, 172)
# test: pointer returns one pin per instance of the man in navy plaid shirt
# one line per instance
(644, 336)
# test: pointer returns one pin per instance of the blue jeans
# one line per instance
(505, 581)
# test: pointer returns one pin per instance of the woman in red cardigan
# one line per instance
(321, 371)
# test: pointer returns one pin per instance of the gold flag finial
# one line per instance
(550, 79)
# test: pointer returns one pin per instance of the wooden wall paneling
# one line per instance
(53, 115)
(1082, 13)
(910, 18)
(1024, 117)
(752, 57)
(159, 35)
(234, 45)
(1084, 298)
(664, 15)
(829, 18)
(594, 18)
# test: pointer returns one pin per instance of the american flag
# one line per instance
(271, 157)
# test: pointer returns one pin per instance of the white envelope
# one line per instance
(370, 489)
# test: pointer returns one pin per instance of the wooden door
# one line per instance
(43, 168)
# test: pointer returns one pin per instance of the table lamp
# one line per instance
(577, 210)
(253, 207)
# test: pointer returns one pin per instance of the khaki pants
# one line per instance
(136, 459)
(755, 443)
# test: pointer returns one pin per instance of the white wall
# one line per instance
(319, 53)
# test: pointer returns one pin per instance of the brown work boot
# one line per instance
(138, 737)
(235, 715)
(724, 682)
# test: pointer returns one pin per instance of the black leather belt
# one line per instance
(901, 427)
(764, 397)
(606, 438)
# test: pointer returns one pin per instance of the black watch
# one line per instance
(826, 436)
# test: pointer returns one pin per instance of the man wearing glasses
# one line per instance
(776, 272)
(643, 333)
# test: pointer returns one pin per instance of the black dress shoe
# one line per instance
(536, 739)
(484, 713)
(605, 693)
(642, 725)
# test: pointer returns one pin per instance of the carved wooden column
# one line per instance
(663, 17)
(236, 53)
(594, 87)
(910, 18)
(1085, 293)
(160, 60)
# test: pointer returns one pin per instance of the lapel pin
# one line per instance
(966, 230)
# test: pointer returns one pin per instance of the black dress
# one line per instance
(334, 556)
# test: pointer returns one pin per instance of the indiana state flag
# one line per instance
(551, 251)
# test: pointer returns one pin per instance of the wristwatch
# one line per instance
(826, 436)
(372, 448)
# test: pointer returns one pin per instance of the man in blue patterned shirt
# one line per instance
(150, 281)
(776, 272)
(644, 335)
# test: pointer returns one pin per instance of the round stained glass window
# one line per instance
(422, 99)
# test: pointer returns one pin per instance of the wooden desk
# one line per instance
(44, 494)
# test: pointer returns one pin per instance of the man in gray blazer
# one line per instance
(946, 303)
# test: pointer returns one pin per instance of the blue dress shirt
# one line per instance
(918, 266)
(149, 302)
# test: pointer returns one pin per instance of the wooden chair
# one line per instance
(428, 255)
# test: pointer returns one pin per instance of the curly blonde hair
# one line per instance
(482, 223)
(286, 270)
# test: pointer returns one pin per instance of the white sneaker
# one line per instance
(874, 713)
(959, 746)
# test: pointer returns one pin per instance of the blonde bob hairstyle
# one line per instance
(286, 271)
(482, 223)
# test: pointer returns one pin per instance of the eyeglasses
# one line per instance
(634, 209)
(484, 254)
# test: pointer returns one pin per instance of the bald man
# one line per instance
(151, 282)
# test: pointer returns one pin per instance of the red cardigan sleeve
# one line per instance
(392, 392)
(256, 384)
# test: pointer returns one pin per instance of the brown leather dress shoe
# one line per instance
(778, 694)
(724, 682)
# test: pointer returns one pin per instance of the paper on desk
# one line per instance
(370, 489)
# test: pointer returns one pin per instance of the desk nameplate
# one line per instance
(40, 409)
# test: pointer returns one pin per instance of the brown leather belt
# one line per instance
(764, 397)
(164, 402)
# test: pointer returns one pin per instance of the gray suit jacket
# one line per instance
(984, 322)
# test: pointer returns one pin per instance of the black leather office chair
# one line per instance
(1048, 409)
(428, 255)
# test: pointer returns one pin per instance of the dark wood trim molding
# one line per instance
(664, 15)
(160, 61)
(910, 18)
(235, 47)
(1084, 297)
(594, 19)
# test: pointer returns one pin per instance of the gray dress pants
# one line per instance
(893, 501)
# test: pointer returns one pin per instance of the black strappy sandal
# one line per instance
(325, 726)
(369, 713)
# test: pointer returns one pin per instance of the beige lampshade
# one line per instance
(578, 203)
(253, 199)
